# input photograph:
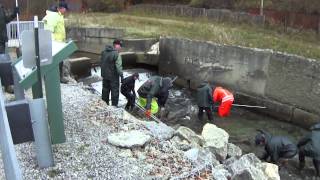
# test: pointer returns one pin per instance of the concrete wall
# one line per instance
(94, 40)
(288, 85)
(214, 14)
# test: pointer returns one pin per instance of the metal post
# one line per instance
(18, 23)
(36, 40)
(11, 166)
(18, 90)
(249, 106)
(261, 8)
(41, 133)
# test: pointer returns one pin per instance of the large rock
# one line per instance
(187, 134)
(160, 130)
(125, 153)
(177, 107)
(271, 171)
(179, 113)
(129, 139)
(233, 150)
(201, 157)
(219, 173)
(247, 167)
(216, 139)
(249, 174)
(180, 144)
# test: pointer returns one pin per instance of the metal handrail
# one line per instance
(13, 31)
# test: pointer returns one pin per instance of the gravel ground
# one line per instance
(87, 155)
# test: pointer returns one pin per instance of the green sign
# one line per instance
(50, 74)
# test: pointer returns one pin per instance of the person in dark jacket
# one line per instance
(127, 89)
(204, 100)
(111, 70)
(4, 20)
(310, 146)
(276, 147)
(155, 87)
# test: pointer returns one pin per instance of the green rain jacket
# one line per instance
(111, 64)
(311, 142)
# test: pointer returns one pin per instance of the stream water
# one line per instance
(181, 110)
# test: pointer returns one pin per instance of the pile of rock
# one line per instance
(182, 153)
(105, 142)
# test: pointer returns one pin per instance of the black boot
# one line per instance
(301, 165)
(127, 107)
(316, 164)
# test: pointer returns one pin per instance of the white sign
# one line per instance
(28, 48)
(23, 72)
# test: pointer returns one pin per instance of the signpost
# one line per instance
(50, 73)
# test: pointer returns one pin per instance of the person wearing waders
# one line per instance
(310, 146)
(154, 93)
(204, 100)
(127, 89)
(276, 147)
(111, 70)
(225, 98)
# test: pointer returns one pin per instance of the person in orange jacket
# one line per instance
(225, 98)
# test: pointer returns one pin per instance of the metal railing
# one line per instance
(14, 35)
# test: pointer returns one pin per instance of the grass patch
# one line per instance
(146, 25)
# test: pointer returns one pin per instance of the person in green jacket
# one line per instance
(154, 92)
(111, 70)
(310, 146)
(54, 22)
(204, 100)
(4, 20)
(276, 147)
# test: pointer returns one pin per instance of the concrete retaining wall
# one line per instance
(214, 14)
(94, 40)
(288, 85)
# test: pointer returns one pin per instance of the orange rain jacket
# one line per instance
(226, 99)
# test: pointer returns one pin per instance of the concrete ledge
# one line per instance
(142, 45)
(283, 112)
(304, 119)
(80, 33)
(274, 109)
(80, 67)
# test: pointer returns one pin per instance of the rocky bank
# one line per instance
(105, 142)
